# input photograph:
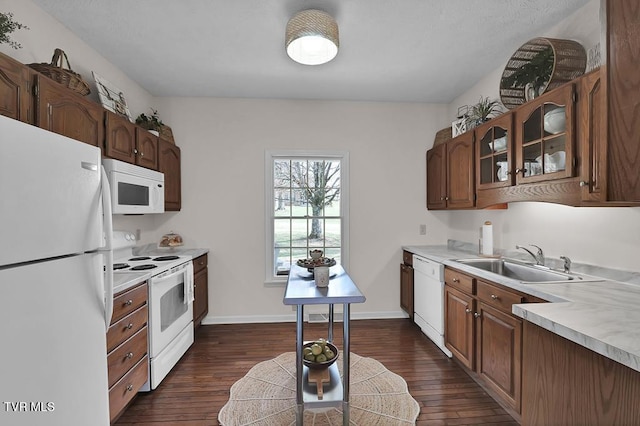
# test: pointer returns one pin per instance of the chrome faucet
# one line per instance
(539, 256)
(567, 264)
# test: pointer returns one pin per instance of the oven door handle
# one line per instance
(169, 275)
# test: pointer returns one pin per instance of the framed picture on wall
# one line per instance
(111, 97)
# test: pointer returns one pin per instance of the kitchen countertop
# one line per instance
(154, 250)
(123, 281)
(600, 314)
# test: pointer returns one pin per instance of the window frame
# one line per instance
(333, 155)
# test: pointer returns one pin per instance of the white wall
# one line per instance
(608, 237)
(582, 26)
(223, 142)
(45, 34)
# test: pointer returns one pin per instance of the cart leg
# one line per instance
(299, 341)
(330, 332)
(346, 351)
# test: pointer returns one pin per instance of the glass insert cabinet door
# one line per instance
(545, 137)
(494, 147)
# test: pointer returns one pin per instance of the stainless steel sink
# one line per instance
(520, 271)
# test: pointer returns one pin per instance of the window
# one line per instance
(307, 208)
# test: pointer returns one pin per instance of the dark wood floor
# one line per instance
(197, 388)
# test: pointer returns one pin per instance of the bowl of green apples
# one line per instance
(319, 354)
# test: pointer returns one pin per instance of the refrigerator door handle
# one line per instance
(108, 233)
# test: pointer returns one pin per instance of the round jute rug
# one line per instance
(266, 396)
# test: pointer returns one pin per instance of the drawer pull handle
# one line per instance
(129, 387)
(201, 263)
(128, 302)
(130, 355)
(494, 297)
(456, 280)
(476, 315)
(468, 310)
(129, 326)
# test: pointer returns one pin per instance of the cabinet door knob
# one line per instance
(446, 198)
(135, 151)
(441, 198)
(128, 302)
(583, 183)
(494, 297)
(142, 154)
(129, 387)
(456, 280)
(468, 311)
(476, 315)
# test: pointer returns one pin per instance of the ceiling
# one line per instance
(390, 50)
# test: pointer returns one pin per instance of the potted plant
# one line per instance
(485, 108)
(150, 122)
(7, 26)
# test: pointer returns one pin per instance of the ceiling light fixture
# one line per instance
(312, 37)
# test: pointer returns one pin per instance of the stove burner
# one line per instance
(133, 259)
(163, 258)
(143, 267)
(117, 266)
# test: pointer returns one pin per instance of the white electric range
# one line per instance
(170, 326)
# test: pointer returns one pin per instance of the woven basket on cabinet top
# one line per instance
(569, 62)
(66, 77)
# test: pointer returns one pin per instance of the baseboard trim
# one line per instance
(249, 319)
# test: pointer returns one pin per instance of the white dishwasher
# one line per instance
(428, 299)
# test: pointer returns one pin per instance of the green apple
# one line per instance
(316, 349)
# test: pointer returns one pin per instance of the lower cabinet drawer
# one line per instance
(126, 327)
(199, 263)
(498, 297)
(125, 356)
(127, 387)
(459, 280)
(125, 303)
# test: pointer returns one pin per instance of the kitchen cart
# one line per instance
(301, 290)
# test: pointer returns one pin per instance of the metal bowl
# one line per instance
(320, 365)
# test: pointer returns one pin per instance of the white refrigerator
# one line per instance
(55, 279)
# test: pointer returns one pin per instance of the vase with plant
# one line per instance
(150, 122)
(484, 110)
(7, 26)
(534, 75)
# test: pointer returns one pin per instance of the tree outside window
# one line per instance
(307, 208)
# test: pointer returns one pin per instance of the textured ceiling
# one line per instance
(390, 50)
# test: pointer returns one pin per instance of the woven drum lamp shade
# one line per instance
(312, 37)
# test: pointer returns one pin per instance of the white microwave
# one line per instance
(134, 189)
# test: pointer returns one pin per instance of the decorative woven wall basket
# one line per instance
(166, 133)
(563, 61)
(442, 136)
(67, 77)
